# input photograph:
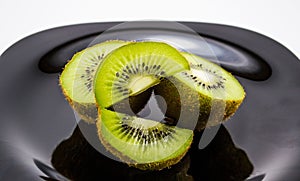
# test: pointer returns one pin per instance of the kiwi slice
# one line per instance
(206, 90)
(77, 77)
(143, 143)
(133, 68)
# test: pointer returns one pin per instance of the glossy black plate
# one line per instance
(40, 139)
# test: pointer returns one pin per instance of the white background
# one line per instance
(278, 19)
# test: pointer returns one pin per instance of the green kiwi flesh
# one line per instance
(133, 68)
(143, 143)
(206, 90)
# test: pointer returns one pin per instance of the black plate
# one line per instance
(35, 118)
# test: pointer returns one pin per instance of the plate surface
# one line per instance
(35, 117)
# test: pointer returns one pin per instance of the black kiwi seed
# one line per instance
(100, 57)
(132, 71)
(121, 81)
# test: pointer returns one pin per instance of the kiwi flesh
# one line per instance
(77, 77)
(134, 68)
(209, 93)
(143, 143)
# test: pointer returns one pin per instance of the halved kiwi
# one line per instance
(77, 78)
(134, 68)
(143, 143)
(206, 90)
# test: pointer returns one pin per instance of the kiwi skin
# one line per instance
(131, 163)
(169, 89)
(86, 111)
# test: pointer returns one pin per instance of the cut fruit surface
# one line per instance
(207, 93)
(133, 68)
(143, 143)
(210, 79)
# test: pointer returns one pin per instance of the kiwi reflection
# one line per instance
(76, 159)
(220, 160)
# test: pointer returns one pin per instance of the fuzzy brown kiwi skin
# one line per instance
(190, 98)
(142, 166)
(87, 111)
